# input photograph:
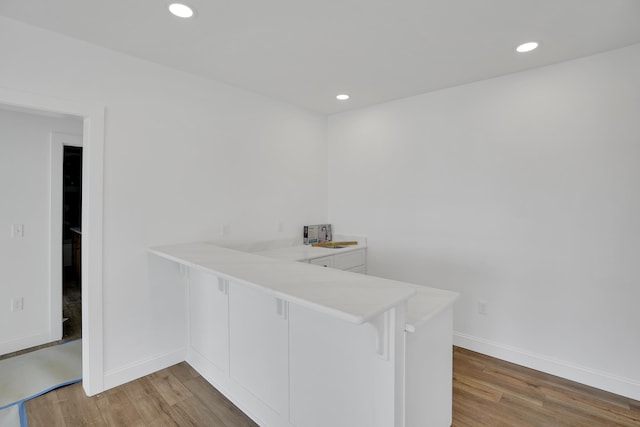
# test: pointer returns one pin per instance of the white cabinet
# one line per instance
(259, 344)
(361, 269)
(209, 319)
(428, 371)
(290, 364)
(349, 260)
(333, 371)
(325, 261)
(354, 261)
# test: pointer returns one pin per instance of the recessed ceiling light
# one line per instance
(342, 97)
(527, 47)
(181, 10)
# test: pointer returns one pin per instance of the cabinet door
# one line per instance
(259, 329)
(333, 371)
(359, 269)
(349, 260)
(209, 318)
(325, 261)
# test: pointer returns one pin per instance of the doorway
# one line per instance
(93, 164)
(71, 243)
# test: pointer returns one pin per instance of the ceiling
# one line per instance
(306, 52)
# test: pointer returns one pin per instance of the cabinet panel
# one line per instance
(428, 372)
(259, 330)
(348, 260)
(359, 269)
(352, 261)
(333, 371)
(326, 261)
(209, 318)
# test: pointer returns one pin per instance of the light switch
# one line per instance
(17, 230)
(17, 304)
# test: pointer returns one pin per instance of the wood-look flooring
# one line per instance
(486, 392)
(492, 392)
(176, 396)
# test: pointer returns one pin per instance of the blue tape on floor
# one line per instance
(20, 403)
(23, 415)
(65, 362)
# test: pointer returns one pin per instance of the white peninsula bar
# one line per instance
(296, 344)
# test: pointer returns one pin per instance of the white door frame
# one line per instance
(58, 141)
(92, 211)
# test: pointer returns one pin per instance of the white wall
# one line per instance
(183, 155)
(24, 189)
(521, 191)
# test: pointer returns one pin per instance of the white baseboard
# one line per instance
(133, 371)
(560, 368)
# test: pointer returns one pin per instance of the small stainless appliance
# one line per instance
(317, 233)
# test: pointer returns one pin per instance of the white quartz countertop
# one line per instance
(426, 303)
(353, 297)
(306, 252)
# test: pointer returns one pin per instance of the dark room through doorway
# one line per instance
(72, 243)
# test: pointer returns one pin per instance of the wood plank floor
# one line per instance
(492, 392)
(176, 396)
(486, 392)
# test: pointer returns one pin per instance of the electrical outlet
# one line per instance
(17, 230)
(483, 308)
(224, 229)
(17, 304)
(280, 227)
